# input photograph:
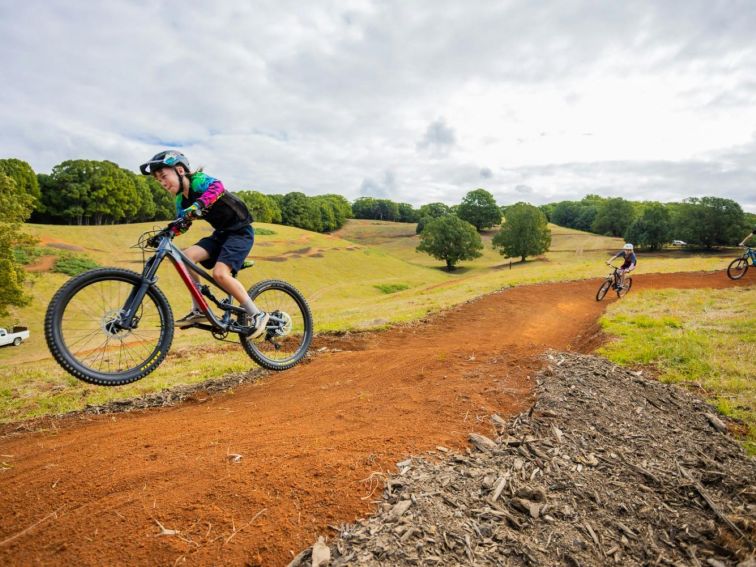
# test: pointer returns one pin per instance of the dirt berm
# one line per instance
(253, 475)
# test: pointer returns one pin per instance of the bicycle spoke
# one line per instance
(92, 332)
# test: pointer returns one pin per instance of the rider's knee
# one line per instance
(222, 274)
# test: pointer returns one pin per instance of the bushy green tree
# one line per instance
(364, 208)
(16, 206)
(710, 221)
(407, 213)
(653, 229)
(23, 176)
(300, 211)
(614, 216)
(262, 207)
(333, 211)
(451, 239)
(145, 204)
(525, 232)
(165, 204)
(566, 213)
(434, 210)
(421, 224)
(479, 208)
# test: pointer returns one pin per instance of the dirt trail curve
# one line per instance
(166, 487)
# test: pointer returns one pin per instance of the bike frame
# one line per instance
(166, 249)
(750, 253)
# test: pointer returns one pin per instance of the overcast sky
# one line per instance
(416, 101)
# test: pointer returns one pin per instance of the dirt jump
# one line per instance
(254, 475)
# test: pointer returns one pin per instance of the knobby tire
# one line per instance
(272, 296)
(625, 289)
(737, 268)
(603, 289)
(129, 355)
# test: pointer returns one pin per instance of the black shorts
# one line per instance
(231, 248)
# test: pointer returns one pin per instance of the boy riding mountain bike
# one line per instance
(629, 262)
(197, 195)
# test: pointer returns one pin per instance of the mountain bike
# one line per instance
(613, 281)
(739, 266)
(112, 326)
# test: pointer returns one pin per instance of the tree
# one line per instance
(262, 207)
(23, 176)
(525, 232)
(364, 208)
(333, 211)
(652, 229)
(566, 213)
(407, 213)
(145, 206)
(421, 224)
(451, 239)
(165, 204)
(299, 210)
(434, 210)
(16, 205)
(710, 221)
(479, 208)
(614, 216)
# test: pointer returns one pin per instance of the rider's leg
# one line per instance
(196, 254)
(222, 275)
(259, 320)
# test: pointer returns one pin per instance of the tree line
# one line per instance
(697, 221)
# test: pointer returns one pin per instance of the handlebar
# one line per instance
(179, 223)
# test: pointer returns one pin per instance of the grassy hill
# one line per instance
(366, 275)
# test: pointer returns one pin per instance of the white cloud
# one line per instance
(421, 101)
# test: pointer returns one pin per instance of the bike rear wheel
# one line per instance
(737, 268)
(83, 333)
(603, 289)
(625, 289)
(289, 330)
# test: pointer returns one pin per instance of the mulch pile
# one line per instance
(607, 468)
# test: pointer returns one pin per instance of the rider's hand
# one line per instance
(192, 212)
(179, 225)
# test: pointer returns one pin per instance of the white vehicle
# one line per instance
(679, 243)
(14, 337)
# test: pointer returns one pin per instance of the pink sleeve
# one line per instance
(211, 194)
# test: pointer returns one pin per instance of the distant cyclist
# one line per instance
(629, 262)
(753, 232)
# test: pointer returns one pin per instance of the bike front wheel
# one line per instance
(737, 268)
(84, 332)
(289, 330)
(625, 289)
(603, 289)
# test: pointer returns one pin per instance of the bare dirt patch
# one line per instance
(252, 475)
(44, 264)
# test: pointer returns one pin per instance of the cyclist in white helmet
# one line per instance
(629, 261)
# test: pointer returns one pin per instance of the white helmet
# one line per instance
(627, 246)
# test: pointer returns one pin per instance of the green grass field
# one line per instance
(365, 276)
(705, 339)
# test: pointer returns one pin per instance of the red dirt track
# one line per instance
(96, 490)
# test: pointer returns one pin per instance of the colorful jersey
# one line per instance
(203, 189)
(221, 208)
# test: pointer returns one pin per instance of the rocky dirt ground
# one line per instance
(608, 467)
